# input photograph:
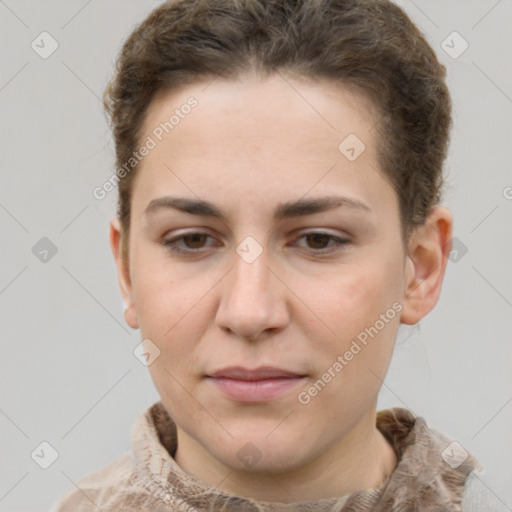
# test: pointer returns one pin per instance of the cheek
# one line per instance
(169, 312)
(362, 318)
(161, 295)
(355, 298)
(175, 321)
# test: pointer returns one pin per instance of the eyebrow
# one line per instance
(290, 209)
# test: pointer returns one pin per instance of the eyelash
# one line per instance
(339, 243)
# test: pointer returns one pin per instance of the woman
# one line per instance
(280, 170)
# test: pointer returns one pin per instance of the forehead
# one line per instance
(253, 107)
(259, 138)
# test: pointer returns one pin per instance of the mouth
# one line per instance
(252, 386)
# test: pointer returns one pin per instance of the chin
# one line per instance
(263, 453)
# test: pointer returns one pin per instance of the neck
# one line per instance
(362, 460)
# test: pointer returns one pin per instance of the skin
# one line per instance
(248, 146)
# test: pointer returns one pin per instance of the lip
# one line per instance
(261, 373)
(258, 385)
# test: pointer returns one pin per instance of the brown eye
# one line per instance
(317, 242)
(192, 242)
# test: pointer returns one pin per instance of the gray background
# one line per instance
(68, 374)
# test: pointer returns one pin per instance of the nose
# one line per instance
(253, 299)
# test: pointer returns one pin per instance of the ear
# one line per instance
(123, 272)
(429, 249)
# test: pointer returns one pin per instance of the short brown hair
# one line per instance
(368, 44)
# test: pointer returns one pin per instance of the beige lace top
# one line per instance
(430, 476)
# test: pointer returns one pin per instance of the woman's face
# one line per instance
(306, 290)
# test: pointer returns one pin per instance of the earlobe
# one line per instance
(123, 273)
(130, 317)
(429, 249)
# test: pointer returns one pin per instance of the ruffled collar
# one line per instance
(429, 476)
